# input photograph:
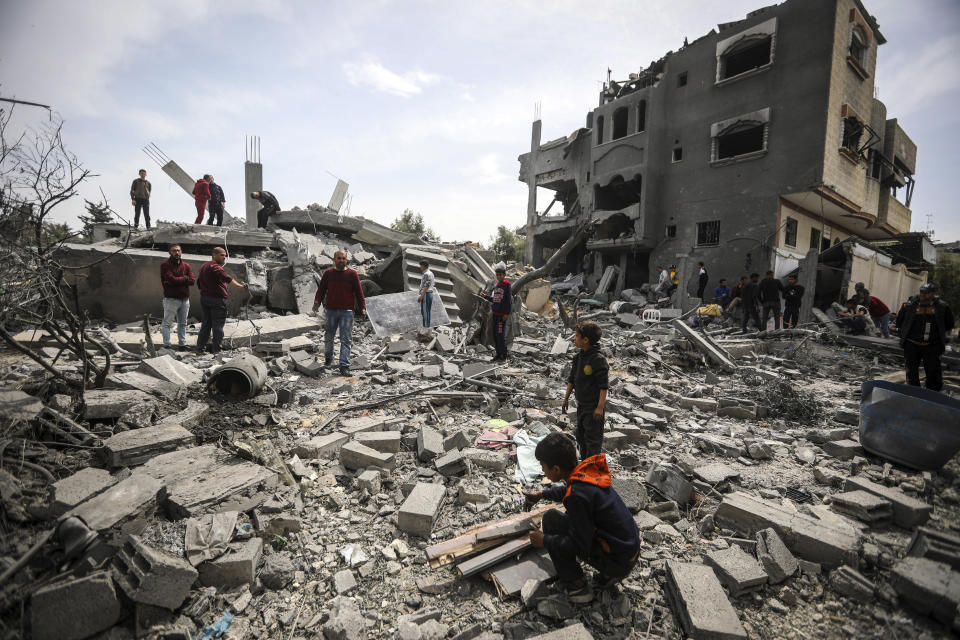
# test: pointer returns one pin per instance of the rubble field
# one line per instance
(286, 501)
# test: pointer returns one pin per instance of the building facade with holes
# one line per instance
(744, 149)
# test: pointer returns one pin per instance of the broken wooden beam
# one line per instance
(713, 352)
(466, 545)
(493, 557)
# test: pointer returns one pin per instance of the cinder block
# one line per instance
(321, 446)
(457, 440)
(354, 455)
(429, 444)
(130, 448)
(419, 511)
(370, 480)
(382, 441)
(613, 440)
(74, 609)
(151, 576)
(487, 459)
(451, 463)
(776, 559)
(843, 449)
(907, 512)
(236, 567)
(737, 570)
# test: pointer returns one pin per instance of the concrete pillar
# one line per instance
(684, 270)
(807, 278)
(528, 248)
(621, 277)
(252, 181)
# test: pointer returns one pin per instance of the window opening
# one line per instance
(618, 194)
(620, 123)
(599, 129)
(671, 231)
(814, 238)
(745, 56)
(642, 116)
(708, 233)
(852, 132)
(858, 46)
(677, 154)
(682, 79)
(790, 233)
(740, 139)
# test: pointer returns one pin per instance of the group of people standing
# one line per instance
(207, 194)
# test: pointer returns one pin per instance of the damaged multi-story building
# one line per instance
(745, 149)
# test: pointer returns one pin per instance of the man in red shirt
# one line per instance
(880, 314)
(201, 193)
(176, 277)
(212, 282)
(340, 293)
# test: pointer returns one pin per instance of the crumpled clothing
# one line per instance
(528, 467)
(208, 536)
(496, 440)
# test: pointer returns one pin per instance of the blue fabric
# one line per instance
(338, 320)
(175, 309)
(425, 306)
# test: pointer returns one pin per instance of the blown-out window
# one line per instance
(599, 129)
(746, 52)
(620, 123)
(743, 137)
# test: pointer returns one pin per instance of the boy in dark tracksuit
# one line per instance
(588, 375)
(597, 527)
(792, 299)
(501, 304)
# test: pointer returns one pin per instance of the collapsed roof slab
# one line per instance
(378, 236)
(167, 234)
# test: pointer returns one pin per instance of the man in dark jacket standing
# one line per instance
(770, 289)
(702, 281)
(340, 293)
(270, 206)
(501, 304)
(176, 277)
(140, 199)
(792, 297)
(217, 200)
(212, 282)
(750, 301)
(924, 322)
(201, 193)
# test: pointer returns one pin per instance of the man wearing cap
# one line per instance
(501, 304)
(270, 206)
(924, 322)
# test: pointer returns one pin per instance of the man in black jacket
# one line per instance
(792, 297)
(217, 200)
(770, 289)
(924, 322)
(750, 300)
(270, 207)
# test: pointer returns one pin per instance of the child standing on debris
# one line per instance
(427, 287)
(597, 527)
(588, 376)
(501, 304)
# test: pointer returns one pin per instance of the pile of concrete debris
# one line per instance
(257, 495)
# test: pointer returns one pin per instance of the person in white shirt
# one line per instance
(427, 288)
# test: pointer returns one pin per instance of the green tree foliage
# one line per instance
(97, 212)
(412, 222)
(507, 245)
(946, 275)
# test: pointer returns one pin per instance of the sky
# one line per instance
(418, 104)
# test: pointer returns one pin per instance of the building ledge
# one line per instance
(857, 68)
(848, 155)
(743, 157)
(746, 74)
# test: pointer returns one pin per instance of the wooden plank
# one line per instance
(493, 557)
(712, 351)
(511, 530)
(466, 544)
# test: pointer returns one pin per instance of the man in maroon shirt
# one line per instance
(176, 277)
(340, 293)
(212, 282)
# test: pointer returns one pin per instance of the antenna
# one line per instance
(930, 231)
(536, 110)
(252, 144)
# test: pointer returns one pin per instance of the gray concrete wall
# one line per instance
(127, 284)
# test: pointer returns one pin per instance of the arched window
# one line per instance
(858, 45)
(599, 129)
(748, 54)
(620, 123)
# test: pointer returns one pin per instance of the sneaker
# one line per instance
(345, 371)
(327, 362)
(578, 595)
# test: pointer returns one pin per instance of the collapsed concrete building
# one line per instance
(745, 149)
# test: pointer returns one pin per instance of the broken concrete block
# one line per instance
(456, 440)
(134, 447)
(400, 346)
(429, 444)
(139, 381)
(419, 511)
(907, 512)
(344, 581)
(659, 410)
(382, 441)
(760, 451)
(125, 506)
(737, 570)
(851, 583)
(716, 473)
(646, 520)
(354, 455)
(190, 417)
(236, 567)
(151, 576)
(704, 404)
(370, 480)
(431, 371)
(843, 449)
(68, 493)
(171, 370)
(321, 446)
(935, 545)
(476, 493)
(477, 369)
(74, 609)
(930, 588)
(670, 483)
(776, 559)
(613, 440)
(353, 426)
(808, 537)
(635, 435)
(451, 463)
(270, 523)
(487, 459)
(863, 506)
(828, 476)
(719, 444)
(346, 621)
(700, 604)
(278, 570)
(102, 404)
(632, 492)
(571, 632)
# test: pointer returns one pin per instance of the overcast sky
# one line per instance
(421, 105)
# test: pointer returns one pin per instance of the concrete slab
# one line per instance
(322, 446)
(701, 606)
(68, 493)
(908, 512)
(382, 441)
(134, 447)
(190, 417)
(929, 587)
(862, 505)
(419, 511)
(716, 473)
(352, 426)
(74, 609)
(102, 404)
(354, 455)
(738, 571)
(572, 632)
(172, 370)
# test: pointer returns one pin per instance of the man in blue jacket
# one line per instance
(501, 304)
(597, 527)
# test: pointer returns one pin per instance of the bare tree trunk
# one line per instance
(579, 234)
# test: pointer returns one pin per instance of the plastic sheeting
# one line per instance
(528, 467)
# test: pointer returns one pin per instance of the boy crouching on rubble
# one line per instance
(588, 376)
(597, 528)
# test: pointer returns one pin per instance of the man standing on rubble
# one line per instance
(217, 200)
(270, 206)
(750, 301)
(770, 289)
(201, 193)
(176, 278)
(340, 293)
(924, 322)
(427, 288)
(702, 281)
(140, 199)
(501, 304)
(663, 280)
(792, 297)
(880, 314)
(212, 283)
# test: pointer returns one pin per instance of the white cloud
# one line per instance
(485, 170)
(916, 80)
(375, 75)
